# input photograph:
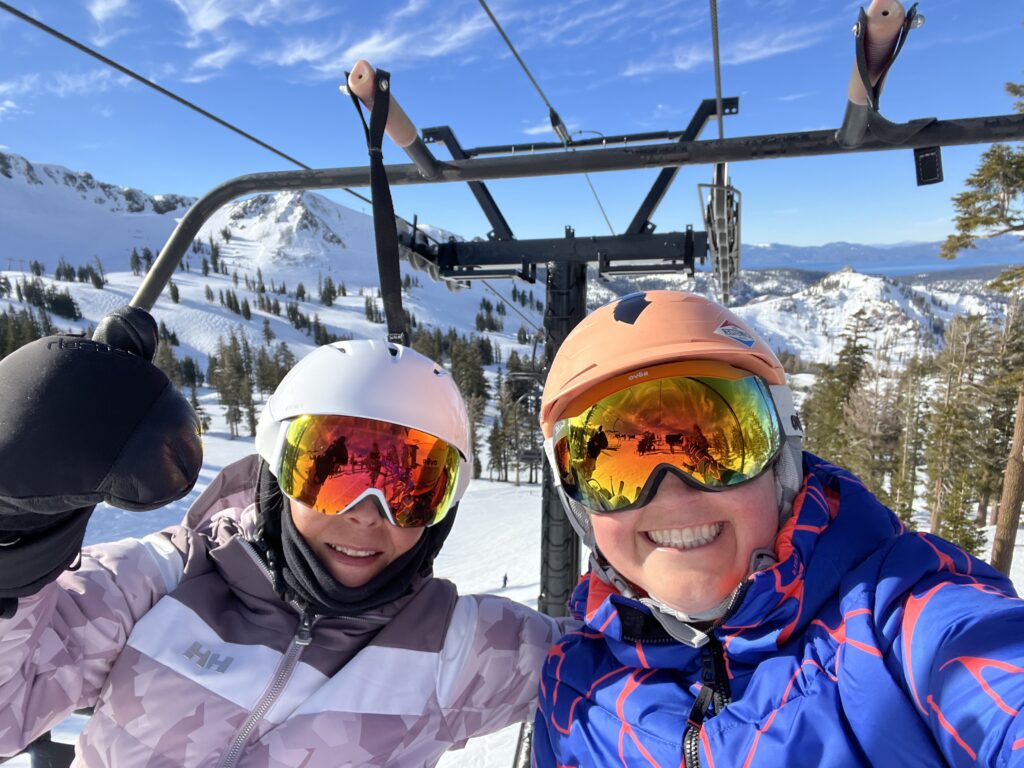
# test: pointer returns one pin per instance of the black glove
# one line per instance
(83, 422)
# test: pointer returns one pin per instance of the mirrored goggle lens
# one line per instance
(720, 432)
(329, 461)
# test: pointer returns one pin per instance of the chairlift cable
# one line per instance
(718, 69)
(563, 135)
(513, 307)
(160, 89)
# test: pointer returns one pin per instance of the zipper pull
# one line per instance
(304, 632)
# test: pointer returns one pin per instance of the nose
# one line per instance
(672, 489)
(366, 512)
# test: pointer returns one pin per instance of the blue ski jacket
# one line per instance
(865, 645)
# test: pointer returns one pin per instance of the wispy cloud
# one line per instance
(736, 50)
(19, 85)
(9, 108)
(411, 8)
(396, 43)
(303, 50)
(204, 17)
(794, 96)
(544, 128)
(104, 10)
(106, 13)
(78, 83)
(62, 84)
(221, 57)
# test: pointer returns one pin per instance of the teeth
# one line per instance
(352, 552)
(686, 538)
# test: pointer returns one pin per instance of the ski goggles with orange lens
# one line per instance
(331, 463)
(712, 425)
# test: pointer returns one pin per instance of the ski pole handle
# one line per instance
(399, 127)
(884, 21)
(361, 83)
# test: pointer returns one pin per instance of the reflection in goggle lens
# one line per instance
(329, 461)
(719, 432)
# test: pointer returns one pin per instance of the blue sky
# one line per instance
(614, 66)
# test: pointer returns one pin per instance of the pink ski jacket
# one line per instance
(190, 658)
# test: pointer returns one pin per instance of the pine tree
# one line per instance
(165, 360)
(135, 263)
(147, 258)
(208, 292)
(172, 287)
(991, 204)
(1010, 385)
(912, 408)
(246, 309)
(952, 445)
(467, 370)
(824, 411)
(328, 293)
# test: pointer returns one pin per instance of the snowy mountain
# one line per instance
(48, 212)
(295, 237)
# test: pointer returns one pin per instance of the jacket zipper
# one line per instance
(714, 685)
(713, 696)
(302, 638)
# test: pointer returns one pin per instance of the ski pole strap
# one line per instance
(384, 230)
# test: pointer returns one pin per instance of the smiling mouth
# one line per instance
(686, 538)
(352, 552)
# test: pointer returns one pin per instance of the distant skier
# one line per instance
(280, 623)
(768, 610)
(504, 581)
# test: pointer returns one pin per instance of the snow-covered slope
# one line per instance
(48, 212)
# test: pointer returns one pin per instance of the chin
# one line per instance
(693, 605)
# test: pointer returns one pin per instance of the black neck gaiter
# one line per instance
(305, 577)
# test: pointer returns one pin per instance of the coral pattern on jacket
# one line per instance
(865, 645)
(191, 659)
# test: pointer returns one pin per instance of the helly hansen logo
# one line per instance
(205, 659)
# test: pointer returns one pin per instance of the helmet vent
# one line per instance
(393, 350)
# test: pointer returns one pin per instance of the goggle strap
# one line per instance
(789, 419)
(549, 451)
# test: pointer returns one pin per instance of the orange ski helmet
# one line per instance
(655, 327)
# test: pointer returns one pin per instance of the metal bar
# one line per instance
(708, 107)
(566, 304)
(667, 246)
(978, 130)
(499, 226)
(548, 146)
(423, 158)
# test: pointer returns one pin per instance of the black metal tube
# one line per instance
(978, 130)
(423, 159)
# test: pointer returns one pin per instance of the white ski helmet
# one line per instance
(372, 380)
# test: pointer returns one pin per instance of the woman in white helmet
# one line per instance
(748, 604)
(293, 618)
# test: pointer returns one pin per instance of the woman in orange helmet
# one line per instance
(759, 606)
